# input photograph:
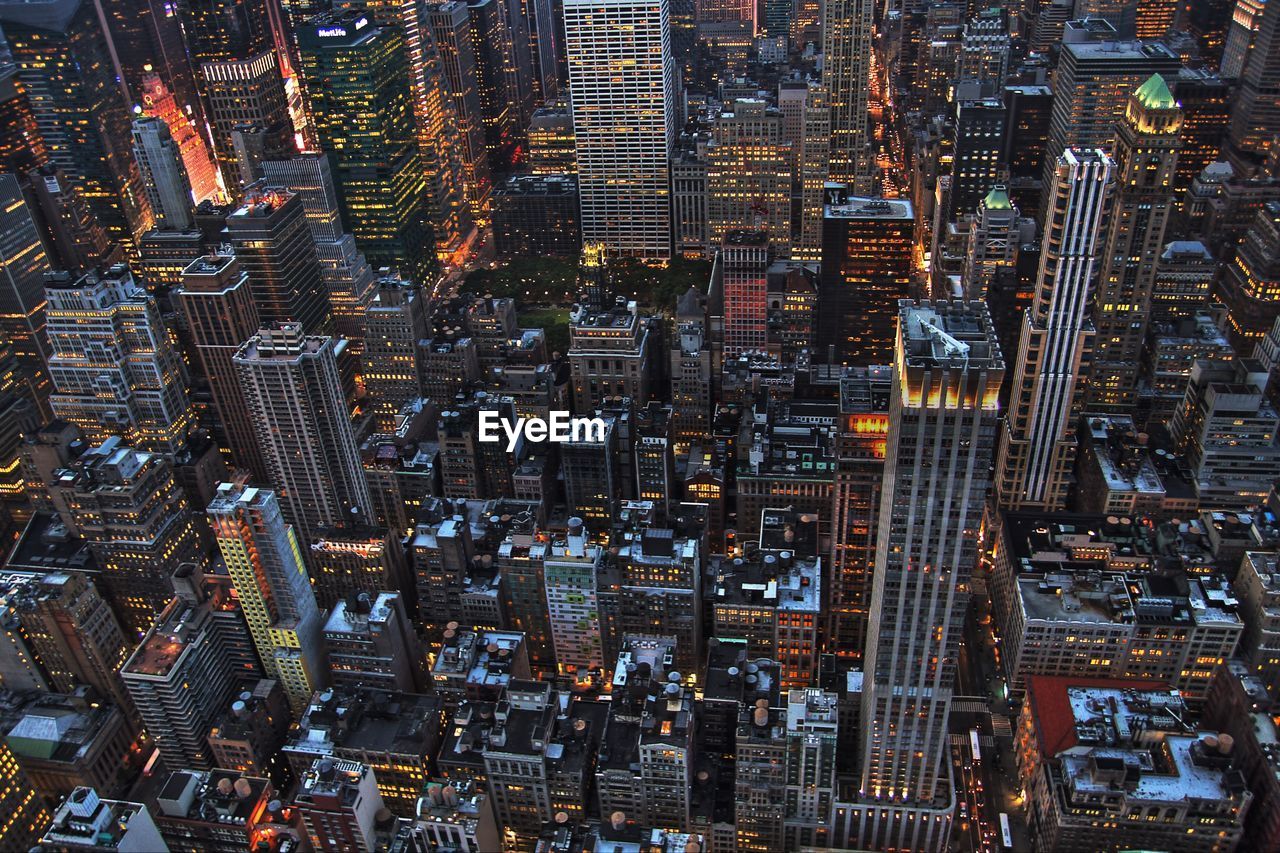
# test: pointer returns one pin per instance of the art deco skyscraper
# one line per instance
(1147, 142)
(363, 103)
(164, 175)
(217, 306)
(266, 568)
(65, 63)
(943, 420)
(622, 83)
(294, 395)
(1255, 115)
(1037, 455)
(846, 55)
(114, 370)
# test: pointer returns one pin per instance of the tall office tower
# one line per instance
(370, 642)
(742, 264)
(294, 395)
(357, 558)
(18, 416)
(73, 237)
(812, 162)
(1037, 456)
(164, 175)
(1028, 111)
(159, 102)
(993, 243)
(503, 111)
(364, 114)
(23, 264)
(1091, 91)
(757, 738)
(134, 516)
(273, 243)
(855, 512)
(218, 30)
(190, 664)
(1205, 100)
(546, 47)
(247, 92)
(592, 482)
(1242, 33)
(1255, 114)
(450, 25)
(1251, 286)
(570, 566)
(984, 53)
(218, 311)
(943, 422)
(348, 278)
(265, 564)
(846, 56)
(689, 196)
(66, 66)
(114, 369)
(75, 635)
(395, 322)
(624, 130)
(866, 268)
(976, 166)
(727, 27)
(690, 371)
(22, 147)
(749, 175)
(440, 146)
(1146, 156)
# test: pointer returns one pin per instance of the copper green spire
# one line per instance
(1155, 95)
(998, 199)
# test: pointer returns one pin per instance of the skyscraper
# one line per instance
(450, 25)
(866, 267)
(67, 66)
(294, 395)
(265, 564)
(394, 324)
(363, 102)
(159, 102)
(247, 92)
(114, 369)
(274, 246)
(749, 175)
(348, 278)
(1255, 115)
(23, 264)
(992, 245)
(1037, 456)
(570, 567)
(943, 412)
(127, 506)
(164, 175)
(196, 656)
(1146, 157)
(217, 307)
(743, 265)
(846, 54)
(440, 144)
(622, 83)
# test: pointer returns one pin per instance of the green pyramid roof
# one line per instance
(998, 199)
(1155, 95)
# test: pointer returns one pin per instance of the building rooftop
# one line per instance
(367, 720)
